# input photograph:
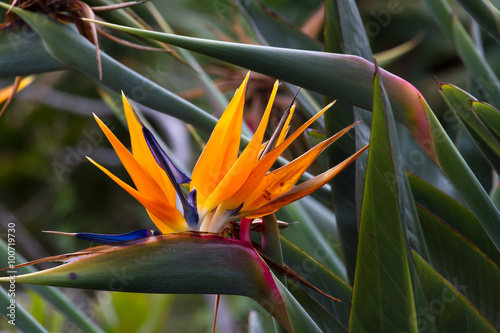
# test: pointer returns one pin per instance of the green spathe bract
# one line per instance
(176, 263)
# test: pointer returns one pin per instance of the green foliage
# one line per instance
(409, 243)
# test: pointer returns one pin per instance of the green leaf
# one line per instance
(450, 310)
(324, 319)
(322, 278)
(454, 166)
(383, 298)
(490, 117)
(27, 54)
(309, 238)
(485, 14)
(274, 30)
(335, 75)
(344, 33)
(300, 320)
(475, 63)
(74, 51)
(454, 214)
(20, 318)
(461, 104)
(463, 265)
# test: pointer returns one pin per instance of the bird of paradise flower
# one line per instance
(225, 185)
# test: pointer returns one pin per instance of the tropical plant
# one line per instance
(404, 239)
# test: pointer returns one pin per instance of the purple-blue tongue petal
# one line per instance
(112, 239)
(175, 175)
(162, 158)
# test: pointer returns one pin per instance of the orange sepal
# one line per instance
(168, 215)
(241, 169)
(142, 180)
(221, 150)
(141, 152)
(301, 190)
(265, 163)
(283, 179)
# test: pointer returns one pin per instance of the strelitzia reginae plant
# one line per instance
(414, 242)
(225, 187)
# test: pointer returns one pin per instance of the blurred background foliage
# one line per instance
(47, 184)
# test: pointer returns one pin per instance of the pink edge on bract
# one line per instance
(415, 117)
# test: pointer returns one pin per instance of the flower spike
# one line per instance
(223, 186)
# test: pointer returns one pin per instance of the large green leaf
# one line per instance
(343, 25)
(485, 14)
(340, 76)
(273, 29)
(27, 54)
(74, 51)
(460, 103)
(454, 214)
(177, 263)
(451, 311)
(383, 297)
(464, 266)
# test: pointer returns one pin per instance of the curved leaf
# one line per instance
(485, 14)
(461, 103)
(490, 117)
(345, 77)
(454, 166)
(27, 54)
(74, 51)
(454, 214)
(383, 297)
(464, 265)
(450, 310)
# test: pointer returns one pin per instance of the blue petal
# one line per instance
(162, 158)
(112, 239)
(192, 198)
(193, 218)
(190, 211)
